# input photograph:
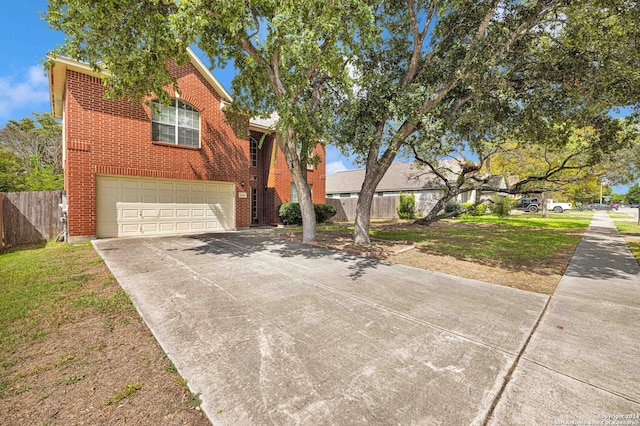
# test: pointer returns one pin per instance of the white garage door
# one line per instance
(128, 206)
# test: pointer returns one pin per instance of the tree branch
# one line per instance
(434, 169)
(418, 40)
(482, 28)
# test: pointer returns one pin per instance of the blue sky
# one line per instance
(24, 87)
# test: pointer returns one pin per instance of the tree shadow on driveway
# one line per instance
(247, 245)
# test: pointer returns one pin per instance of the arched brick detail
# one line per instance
(192, 100)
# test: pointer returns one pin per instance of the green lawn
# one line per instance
(628, 229)
(566, 220)
(620, 215)
(42, 287)
(634, 246)
(515, 240)
(72, 341)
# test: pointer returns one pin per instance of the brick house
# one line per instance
(132, 170)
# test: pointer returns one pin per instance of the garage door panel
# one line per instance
(149, 185)
(149, 213)
(167, 227)
(182, 226)
(130, 206)
(129, 213)
(110, 183)
(130, 228)
(149, 228)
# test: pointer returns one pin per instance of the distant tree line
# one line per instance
(31, 154)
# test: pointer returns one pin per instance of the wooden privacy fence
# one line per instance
(29, 217)
(381, 208)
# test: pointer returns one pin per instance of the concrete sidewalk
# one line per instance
(583, 361)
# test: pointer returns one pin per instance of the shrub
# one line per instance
(407, 206)
(501, 206)
(451, 206)
(324, 212)
(290, 213)
(478, 210)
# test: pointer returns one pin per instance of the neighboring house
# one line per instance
(401, 177)
(133, 170)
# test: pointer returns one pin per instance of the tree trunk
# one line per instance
(363, 212)
(308, 212)
(299, 175)
(373, 174)
(437, 208)
(545, 207)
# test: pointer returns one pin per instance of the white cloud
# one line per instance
(335, 166)
(31, 88)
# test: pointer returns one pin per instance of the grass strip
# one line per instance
(42, 287)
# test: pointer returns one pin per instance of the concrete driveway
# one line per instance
(273, 332)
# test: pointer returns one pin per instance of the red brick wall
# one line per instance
(114, 137)
(281, 179)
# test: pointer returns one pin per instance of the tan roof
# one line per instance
(399, 177)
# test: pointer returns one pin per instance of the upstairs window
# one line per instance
(177, 123)
(253, 151)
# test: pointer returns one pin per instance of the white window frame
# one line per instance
(253, 151)
(161, 115)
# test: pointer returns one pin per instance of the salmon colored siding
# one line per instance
(114, 137)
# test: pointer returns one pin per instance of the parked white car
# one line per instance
(533, 205)
(557, 207)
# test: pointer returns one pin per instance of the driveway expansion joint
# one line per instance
(514, 365)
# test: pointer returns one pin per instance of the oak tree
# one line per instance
(477, 72)
(286, 54)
